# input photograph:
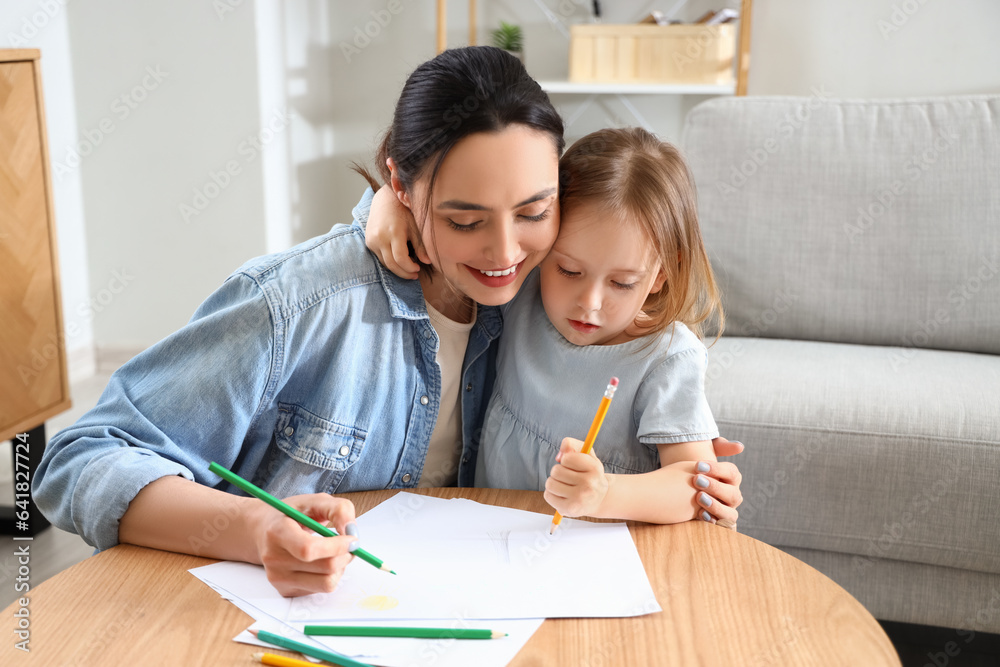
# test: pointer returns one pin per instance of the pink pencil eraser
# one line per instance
(614, 382)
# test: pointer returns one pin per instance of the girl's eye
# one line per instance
(463, 228)
(537, 218)
(623, 285)
(568, 274)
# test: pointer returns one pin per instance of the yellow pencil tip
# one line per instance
(552, 529)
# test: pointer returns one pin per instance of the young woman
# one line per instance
(314, 370)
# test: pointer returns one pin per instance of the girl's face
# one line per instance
(494, 214)
(597, 277)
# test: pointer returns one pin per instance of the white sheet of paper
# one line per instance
(414, 652)
(390, 652)
(460, 564)
(461, 559)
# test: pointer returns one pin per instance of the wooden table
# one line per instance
(727, 600)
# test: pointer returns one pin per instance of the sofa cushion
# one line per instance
(878, 452)
(853, 221)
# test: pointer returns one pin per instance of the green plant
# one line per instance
(508, 37)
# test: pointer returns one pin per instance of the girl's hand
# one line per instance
(577, 484)
(298, 561)
(718, 492)
(390, 226)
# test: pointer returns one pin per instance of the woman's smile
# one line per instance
(496, 277)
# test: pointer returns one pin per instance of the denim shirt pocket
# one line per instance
(309, 454)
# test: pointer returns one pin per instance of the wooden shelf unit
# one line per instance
(34, 382)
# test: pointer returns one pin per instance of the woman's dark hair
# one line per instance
(458, 93)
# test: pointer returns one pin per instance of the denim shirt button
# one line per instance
(468, 387)
(424, 400)
(406, 478)
(289, 430)
(344, 450)
(427, 334)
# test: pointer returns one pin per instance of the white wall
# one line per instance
(169, 94)
(875, 48)
(31, 24)
(230, 75)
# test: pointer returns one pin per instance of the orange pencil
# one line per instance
(595, 426)
(281, 661)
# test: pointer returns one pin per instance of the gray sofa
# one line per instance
(857, 246)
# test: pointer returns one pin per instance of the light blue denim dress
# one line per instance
(548, 388)
(310, 370)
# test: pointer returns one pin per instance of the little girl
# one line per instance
(623, 293)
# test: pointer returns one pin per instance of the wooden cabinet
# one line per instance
(34, 384)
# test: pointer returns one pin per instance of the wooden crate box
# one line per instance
(652, 54)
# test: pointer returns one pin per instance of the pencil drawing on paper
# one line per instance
(501, 542)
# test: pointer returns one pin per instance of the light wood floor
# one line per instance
(53, 550)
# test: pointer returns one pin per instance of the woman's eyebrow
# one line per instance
(459, 205)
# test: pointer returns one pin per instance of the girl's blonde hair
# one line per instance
(639, 179)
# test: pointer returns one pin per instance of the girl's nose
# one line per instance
(590, 298)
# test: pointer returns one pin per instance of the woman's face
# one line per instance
(494, 214)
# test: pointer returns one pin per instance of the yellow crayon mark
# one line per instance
(379, 602)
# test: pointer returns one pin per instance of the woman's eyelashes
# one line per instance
(463, 228)
(574, 274)
(468, 227)
(536, 218)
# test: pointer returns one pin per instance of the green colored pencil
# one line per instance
(307, 649)
(433, 633)
(290, 511)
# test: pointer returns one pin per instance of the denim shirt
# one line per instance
(311, 370)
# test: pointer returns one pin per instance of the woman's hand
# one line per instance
(718, 487)
(390, 226)
(577, 484)
(298, 561)
(725, 447)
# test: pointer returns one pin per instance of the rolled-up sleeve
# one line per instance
(184, 402)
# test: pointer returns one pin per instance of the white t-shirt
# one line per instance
(445, 450)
